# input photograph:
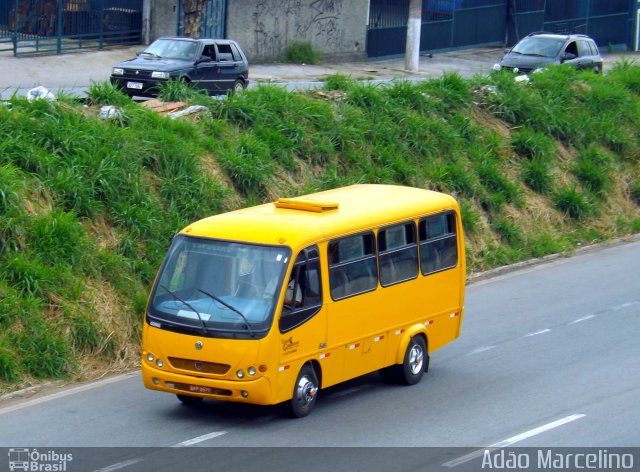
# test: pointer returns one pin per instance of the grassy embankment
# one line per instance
(88, 207)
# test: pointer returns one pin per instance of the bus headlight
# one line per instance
(251, 370)
(150, 357)
(159, 363)
(240, 374)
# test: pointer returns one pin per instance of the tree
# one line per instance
(193, 10)
(414, 23)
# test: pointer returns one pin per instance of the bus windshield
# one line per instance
(218, 288)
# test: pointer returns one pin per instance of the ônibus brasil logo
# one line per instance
(23, 458)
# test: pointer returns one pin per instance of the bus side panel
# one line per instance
(442, 301)
(365, 355)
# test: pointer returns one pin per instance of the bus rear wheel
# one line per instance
(305, 393)
(415, 364)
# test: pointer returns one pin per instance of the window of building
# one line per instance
(438, 243)
(352, 266)
(398, 254)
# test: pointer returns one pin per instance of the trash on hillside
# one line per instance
(163, 107)
(196, 110)
(176, 109)
(109, 112)
(336, 95)
(40, 93)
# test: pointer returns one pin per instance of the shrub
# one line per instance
(336, 82)
(470, 219)
(508, 231)
(43, 350)
(593, 169)
(8, 364)
(537, 176)
(635, 192)
(532, 144)
(178, 90)
(299, 52)
(571, 202)
(104, 93)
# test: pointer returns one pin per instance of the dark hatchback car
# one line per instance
(539, 50)
(217, 66)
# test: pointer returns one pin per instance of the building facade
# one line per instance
(339, 29)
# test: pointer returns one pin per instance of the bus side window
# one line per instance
(438, 243)
(352, 266)
(303, 298)
(398, 253)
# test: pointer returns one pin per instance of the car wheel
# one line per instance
(238, 86)
(305, 393)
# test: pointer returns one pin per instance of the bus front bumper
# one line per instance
(256, 391)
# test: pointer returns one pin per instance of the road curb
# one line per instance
(498, 271)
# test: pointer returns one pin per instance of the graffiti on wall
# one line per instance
(275, 22)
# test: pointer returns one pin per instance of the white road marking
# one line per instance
(119, 465)
(199, 439)
(584, 318)
(513, 439)
(66, 393)
(624, 305)
(535, 333)
(480, 349)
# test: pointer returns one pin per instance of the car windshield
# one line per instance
(219, 287)
(172, 49)
(538, 46)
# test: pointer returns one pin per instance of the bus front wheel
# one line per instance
(305, 392)
(188, 399)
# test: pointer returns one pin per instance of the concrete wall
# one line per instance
(164, 18)
(264, 28)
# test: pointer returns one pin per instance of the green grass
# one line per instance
(88, 206)
(572, 203)
(536, 174)
(635, 192)
(301, 52)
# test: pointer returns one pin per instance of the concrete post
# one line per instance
(414, 23)
(146, 21)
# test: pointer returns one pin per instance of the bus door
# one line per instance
(302, 326)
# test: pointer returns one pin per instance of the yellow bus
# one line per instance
(272, 303)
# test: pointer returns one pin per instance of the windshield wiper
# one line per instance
(176, 297)
(230, 307)
(150, 54)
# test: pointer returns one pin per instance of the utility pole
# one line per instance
(414, 23)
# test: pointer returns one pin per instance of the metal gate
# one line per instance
(609, 22)
(213, 19)
(449, 24)
(55, 26)
(446, 24)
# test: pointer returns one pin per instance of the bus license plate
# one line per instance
(134, 85)
(200, 389)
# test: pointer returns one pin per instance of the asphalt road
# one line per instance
(548, 356)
